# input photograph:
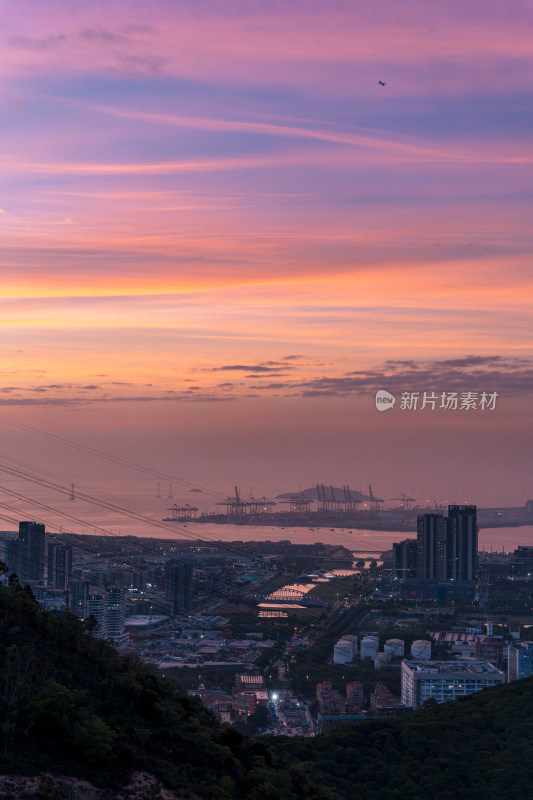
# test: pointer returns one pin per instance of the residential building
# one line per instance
(115, 613)
(330, 698)
(59, 565)
(109, 611)
(404, 559)
(384, 701)
(447, 546)
(78, 593)
(354, 695)
(464, 535)
(178, 583)
(96, 609)
(25, 555)
(429, 544)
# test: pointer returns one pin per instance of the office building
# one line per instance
(520, 661)
(446, 680)
(59, 565)
(178, 582)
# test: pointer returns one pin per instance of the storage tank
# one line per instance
(344, 652)
(381, 660)
(369, 647)
(421, 649)
(352, 638)
(395, 647)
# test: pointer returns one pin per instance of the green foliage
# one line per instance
(479, 747)
(70, 705)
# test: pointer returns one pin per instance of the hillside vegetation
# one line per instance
(71, 706)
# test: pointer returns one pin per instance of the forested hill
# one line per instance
(71, 706)
(476, 748)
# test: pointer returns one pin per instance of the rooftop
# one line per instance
(467, 666)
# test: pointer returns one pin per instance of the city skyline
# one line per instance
(221, 236)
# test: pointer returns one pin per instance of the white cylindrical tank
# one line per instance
(381, 660)
(421, 649)
(369, 647)
(352, 638)
(395, 647)
(344, 651)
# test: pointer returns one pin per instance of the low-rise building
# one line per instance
(384, 701)
(330, 698)
(446, 680)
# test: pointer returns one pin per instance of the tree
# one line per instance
(90, 624)
(14, 582)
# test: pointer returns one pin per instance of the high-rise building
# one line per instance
(430, 535)
(115, 614)
(446, 680)
(78, 593)
(520, 661)
(464, 533)
(178, 582)
(25, 555)
(32, 536)
(109, 610)
(14, 555)
(59, 565)
(96, 608)
(447, 546)
(404, 558)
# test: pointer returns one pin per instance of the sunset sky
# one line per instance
(220, 236)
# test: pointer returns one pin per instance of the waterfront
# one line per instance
(79, 516)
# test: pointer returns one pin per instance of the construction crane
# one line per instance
(350, 503)
(336, 505)
(405, 502)
(235, 507)
(298, 503)
(374, 501)
(180, 513)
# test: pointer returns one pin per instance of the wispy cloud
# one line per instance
(38, 45)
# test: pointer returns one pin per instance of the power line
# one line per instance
(108, 456)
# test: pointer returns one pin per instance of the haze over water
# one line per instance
(140, 495)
